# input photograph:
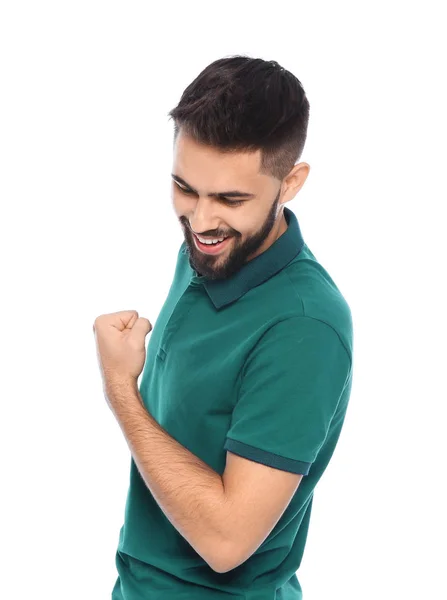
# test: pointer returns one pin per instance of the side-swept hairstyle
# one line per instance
(243, 104)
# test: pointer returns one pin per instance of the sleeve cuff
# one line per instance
(267, 458)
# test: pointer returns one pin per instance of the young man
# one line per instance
(248, 370)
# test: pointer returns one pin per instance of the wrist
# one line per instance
(118, 384)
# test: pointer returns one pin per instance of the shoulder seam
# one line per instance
(301, 317)
(294, 290)
(331, 327)
(315, 319)
(242, 370)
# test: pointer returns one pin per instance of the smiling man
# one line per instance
(258, 221)
(248, 370)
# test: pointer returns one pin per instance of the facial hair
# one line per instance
(209, 265)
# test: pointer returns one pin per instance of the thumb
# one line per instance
(142, 327)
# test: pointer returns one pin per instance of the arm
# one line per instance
(189, 492)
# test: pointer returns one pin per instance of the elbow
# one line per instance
(224, 558)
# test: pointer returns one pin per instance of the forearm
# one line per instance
(189, 492)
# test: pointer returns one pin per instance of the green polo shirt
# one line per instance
(259, 364)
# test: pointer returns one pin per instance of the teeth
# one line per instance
(205, 241)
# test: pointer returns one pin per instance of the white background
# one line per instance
(87, 227)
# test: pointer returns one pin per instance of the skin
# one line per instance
(253, 226)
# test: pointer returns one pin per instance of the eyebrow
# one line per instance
(230, 194)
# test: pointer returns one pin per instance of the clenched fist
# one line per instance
(120, 343)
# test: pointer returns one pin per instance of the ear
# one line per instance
(295, 181)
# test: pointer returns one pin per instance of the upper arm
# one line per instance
(256, 496)
(291, 386)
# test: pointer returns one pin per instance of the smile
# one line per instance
(211, 248)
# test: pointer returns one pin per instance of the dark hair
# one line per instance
(239, 104)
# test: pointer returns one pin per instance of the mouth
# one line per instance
(211, 248)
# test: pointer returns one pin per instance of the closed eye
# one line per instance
(226, 200)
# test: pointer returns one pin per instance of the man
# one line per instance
(248, 370)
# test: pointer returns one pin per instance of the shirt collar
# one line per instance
(256, 271)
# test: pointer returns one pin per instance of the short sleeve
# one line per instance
(292, 382)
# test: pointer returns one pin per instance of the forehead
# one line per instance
(199, 164)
